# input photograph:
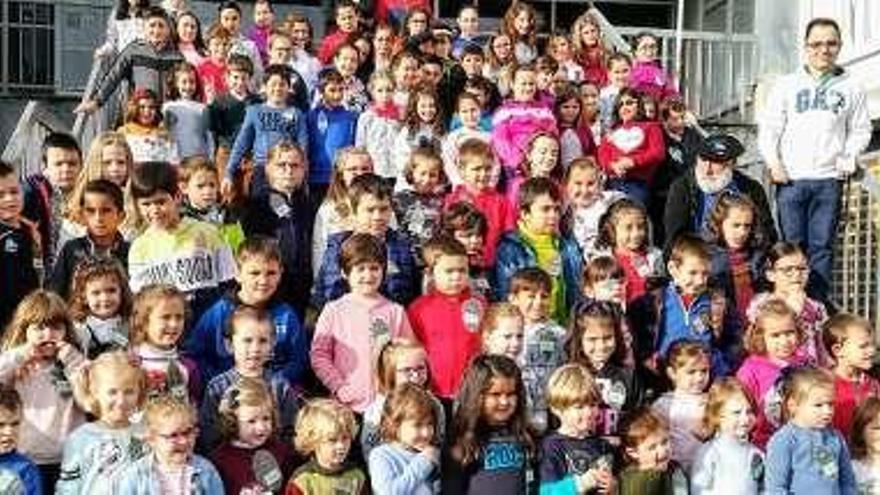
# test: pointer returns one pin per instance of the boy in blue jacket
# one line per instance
(537, 242)
(19, 474)
(264, 126)
(331, 127)
(370, 198)
(259, 273)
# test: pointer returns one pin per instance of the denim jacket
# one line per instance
(140, 478)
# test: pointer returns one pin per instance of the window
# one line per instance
(31, 48)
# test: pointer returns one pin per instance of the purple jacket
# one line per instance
(651, 79)
(513, 126)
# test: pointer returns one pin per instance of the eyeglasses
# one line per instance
(815, 45)
(629, 103)
(793, 270)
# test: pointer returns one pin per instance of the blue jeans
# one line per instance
(809, 211)
(634, 188)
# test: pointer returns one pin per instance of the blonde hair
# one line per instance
(40, 307)
(161, 408)
(320, 420)
(773, 307)
(337, 192)
(495, 313)
(406, 402)
(117, 364)
(251, 392)
(145, 303)
(797, 385)
(391, 353)
(722, 391)
(93, 169)
(571, 385)
(94, 269)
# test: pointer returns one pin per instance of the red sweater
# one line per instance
(213, 78)
(500, 216)
(448, 327)
(234, 465)
(641, 141)
(848, 395)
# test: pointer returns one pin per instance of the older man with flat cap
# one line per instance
(693, 196)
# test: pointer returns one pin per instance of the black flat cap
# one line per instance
(720, 148)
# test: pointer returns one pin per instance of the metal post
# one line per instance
(679, 41)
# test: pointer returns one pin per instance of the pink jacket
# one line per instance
(759, 374)
(651, 79)
(513, 125)
(348, 336)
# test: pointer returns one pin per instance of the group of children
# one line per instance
(320, 291)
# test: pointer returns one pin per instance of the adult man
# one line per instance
(693, 195)
(815, 125)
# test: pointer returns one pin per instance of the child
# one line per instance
(102, 210)
(447, 319)
(157, 324)
(378, 126)
(788, 270)
(560, 49)
(40, 362)
(126, 24)
(249, 336)
(737, 251)
(864, 447)
(771, 342)
(624, 233)
(186, 253)
(324, 431)
(418, 209)
(259, 271)
(189, 37)
(352, 329)
(302, 60)
(850, 342)
(407, 78)
(400, 362)
(109, 158)
(171, 429)
(619, 66)
(331, 127)
(518, 119)
(683, 408)
(407, 461)
(346, 18)
(21, 253)
(519, 25)
(543, 347)
(96, 454)
(502, 331)
(575, 139)
(20, 473)
(422, 126)
(335, 214)
(491, 449)
(587, 201)
(468, 226)
(226, 114)
(807, 455)
(500, 62)
(589, 50)
(354, 95)
(264, 18)
(148, 139)
(475, 164)
(200, 186)
(632, 149)
(251, 457)
(264, 126)
(573, 459)
(538, 242)
(596, 342)
(651, 470)
(728, 463)
(229, 16)
(100, 305)
(468, 22)
(185, 114)
(686, 308)
(647, 75)
(370, 199)
(468, 110)
(540, 160)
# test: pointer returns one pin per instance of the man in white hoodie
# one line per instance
(815, 125)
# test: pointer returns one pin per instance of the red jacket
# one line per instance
(329, 45)
(449, 329)
(848, 395)
(500, 216)
(641, 141)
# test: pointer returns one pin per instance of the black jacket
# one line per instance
(74, 252)
(18, 275)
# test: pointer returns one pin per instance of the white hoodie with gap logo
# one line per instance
(816, 127)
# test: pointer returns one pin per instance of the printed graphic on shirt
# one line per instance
(471, 314)
(825, 460)
(613, 398)
(10, 483)
(266, 472)
(773, 403)
(579, 462)
(503, 455)
(824, 99)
